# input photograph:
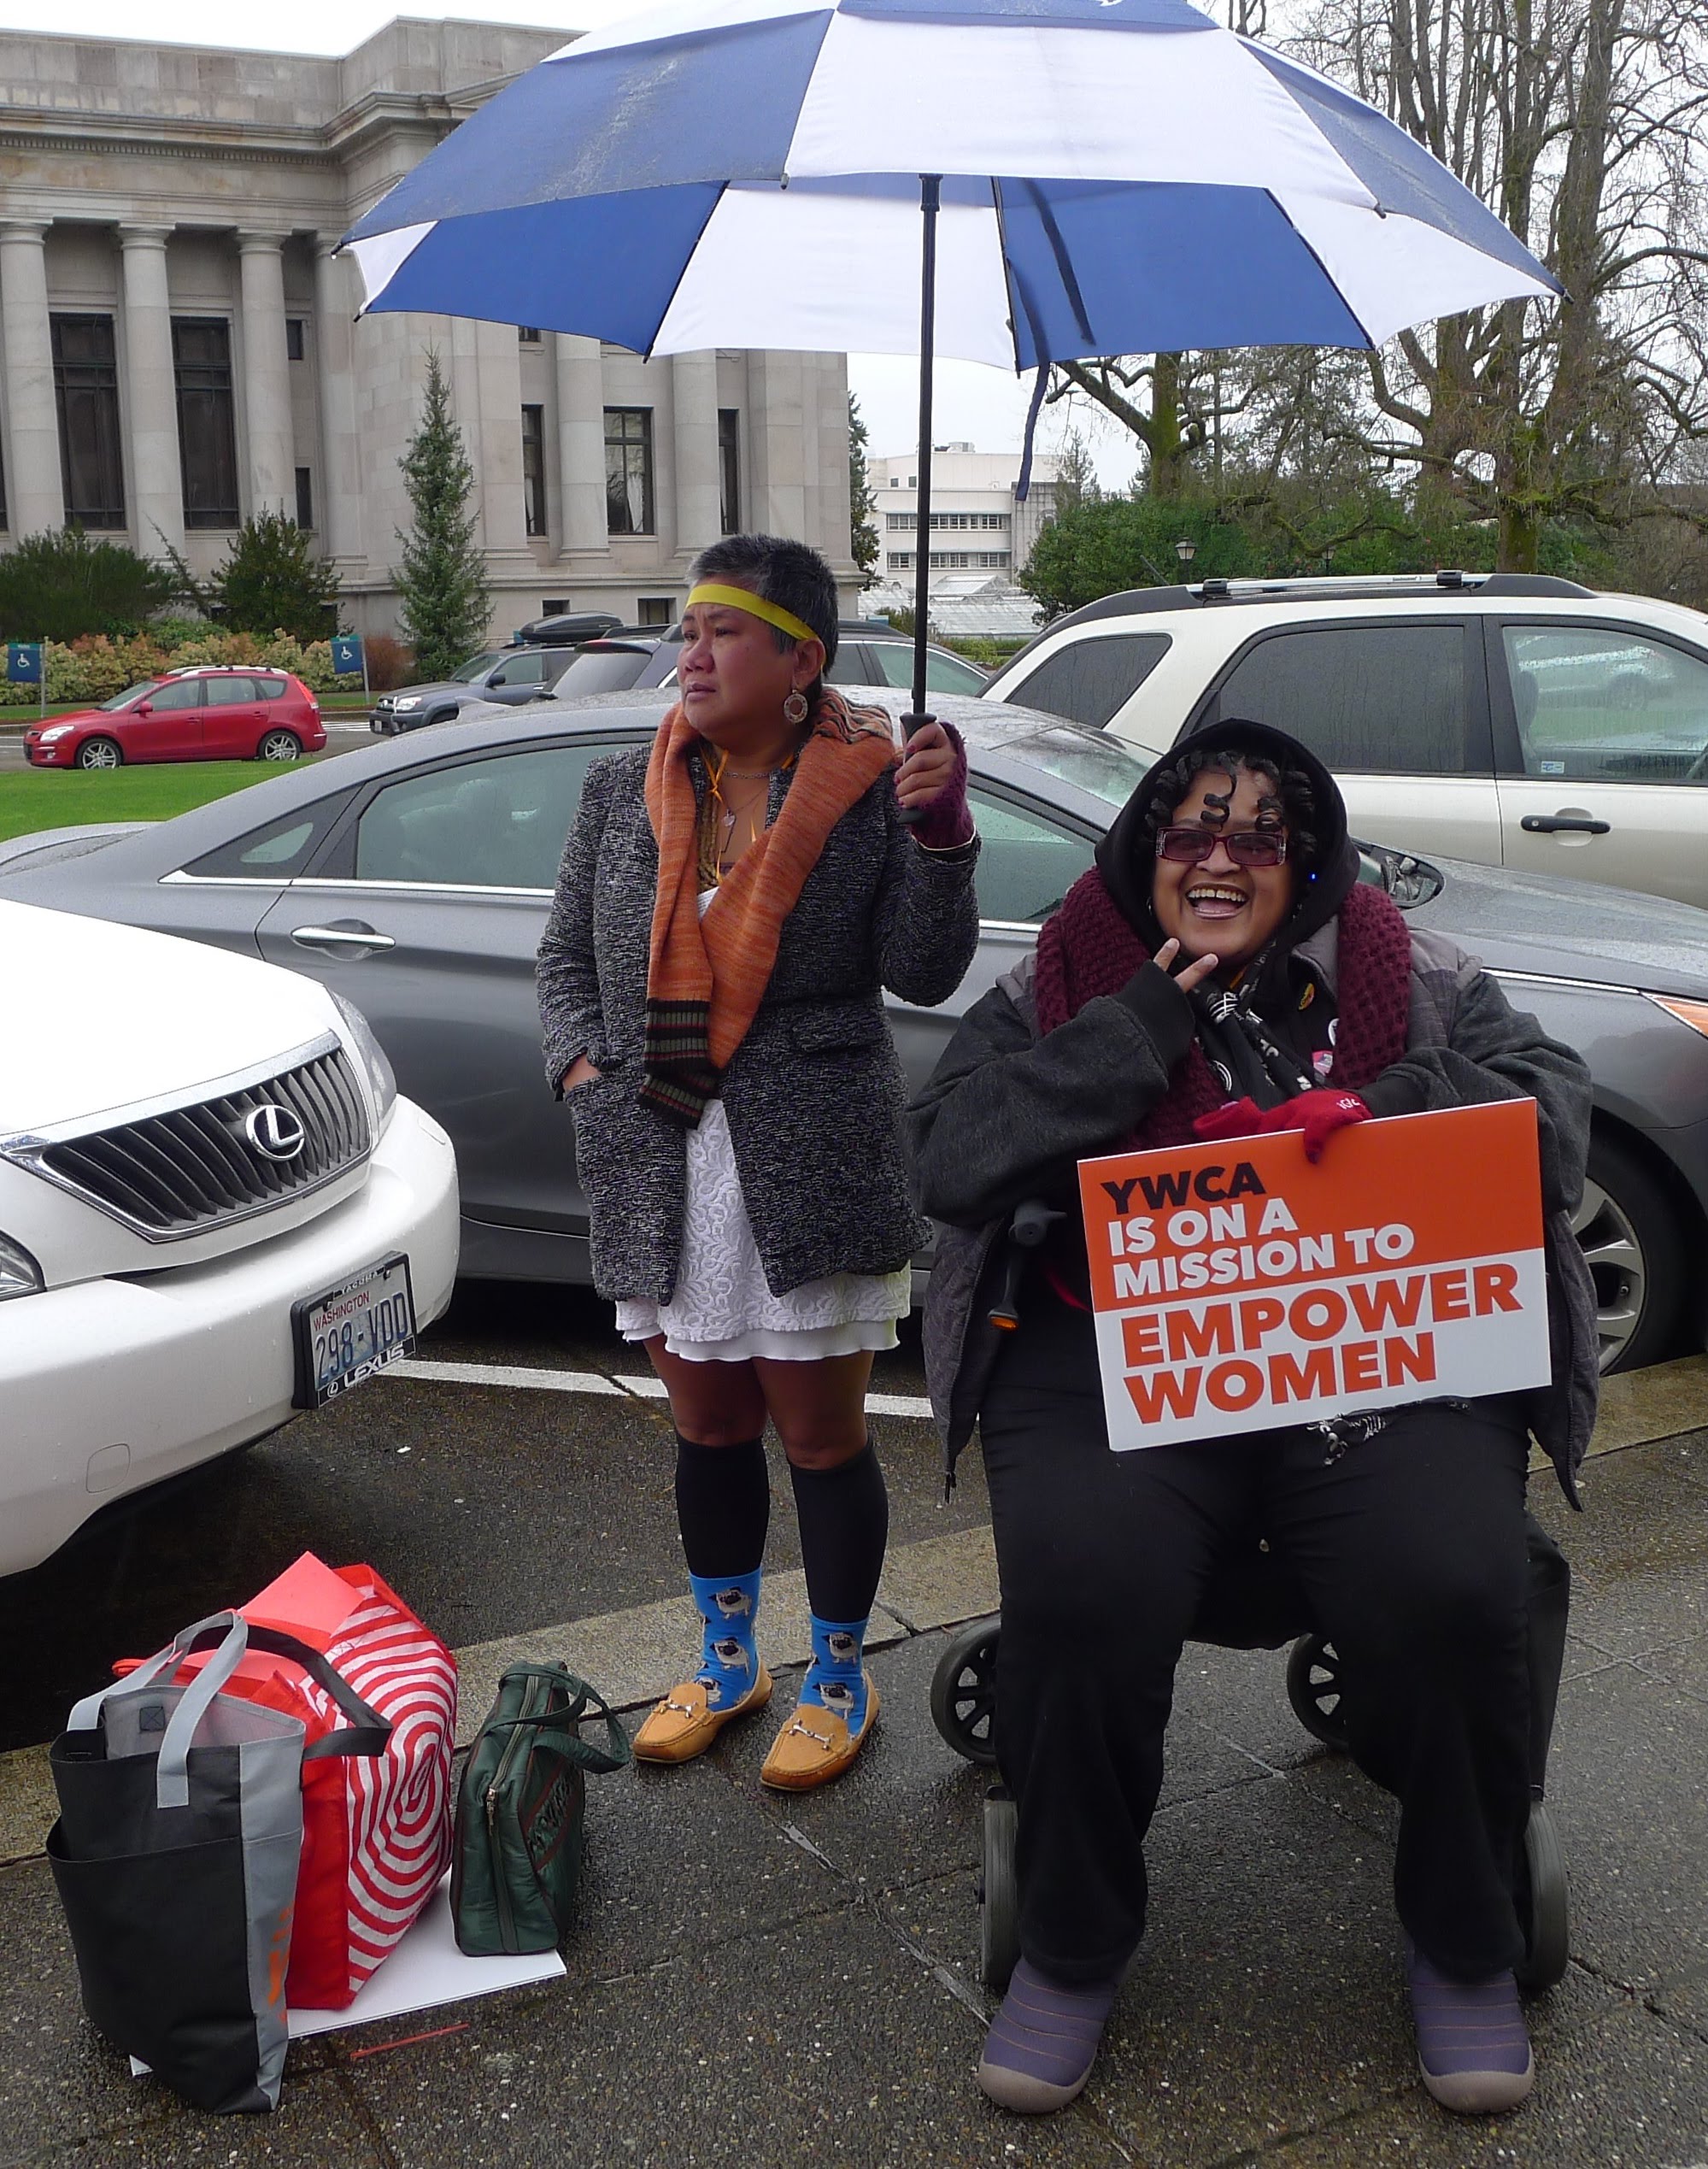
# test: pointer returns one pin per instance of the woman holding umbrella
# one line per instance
(729, 908)
(1219, 972)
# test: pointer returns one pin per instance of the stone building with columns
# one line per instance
(179, 348)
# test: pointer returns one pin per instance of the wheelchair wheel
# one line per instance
(1313, 1688)
(999, 1898)
(964, 1692)
(1547, 1930)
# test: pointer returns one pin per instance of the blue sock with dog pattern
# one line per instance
(728, 1604)
(836, 1678)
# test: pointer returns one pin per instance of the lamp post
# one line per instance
(1185, 549)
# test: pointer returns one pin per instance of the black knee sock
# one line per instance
(723, 1505)
(844, 1525)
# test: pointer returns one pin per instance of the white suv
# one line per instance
(214, 1210)
(1521, 720)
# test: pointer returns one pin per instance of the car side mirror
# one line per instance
(145, 708)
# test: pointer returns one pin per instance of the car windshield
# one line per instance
(601, 670)
(466, 673)
(1105, 768)
(130, 693)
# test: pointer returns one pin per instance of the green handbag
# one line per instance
(517, 1853)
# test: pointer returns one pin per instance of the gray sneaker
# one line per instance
(1473, 2050)
(1042, 2042)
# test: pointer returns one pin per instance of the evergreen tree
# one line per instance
(443, 577)
(272, 582)
(862, 502)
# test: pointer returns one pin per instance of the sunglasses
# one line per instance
(1253, 847)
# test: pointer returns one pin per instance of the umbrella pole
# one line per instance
(929, 192)
(931, 188)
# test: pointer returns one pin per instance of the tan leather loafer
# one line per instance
(683, 1725)
(816, 1746)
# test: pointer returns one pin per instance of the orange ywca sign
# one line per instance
(1238, 1288)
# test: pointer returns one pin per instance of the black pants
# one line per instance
(1410, 1551)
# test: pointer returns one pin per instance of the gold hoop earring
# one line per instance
(795, 708)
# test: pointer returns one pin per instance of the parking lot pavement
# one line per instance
(755, 1978)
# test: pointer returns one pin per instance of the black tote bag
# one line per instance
(175, 1858)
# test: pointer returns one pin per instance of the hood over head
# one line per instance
(1324, 859)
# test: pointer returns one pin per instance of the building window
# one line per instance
(85, 379)
(730, 470)
(657, 610)
(207, 428)
(528, 334)
(901, 522)
(629, 470)
(964, 522)
(293, 338)
(534, 467)
(305, 499)
(901, 561)
(554, 607)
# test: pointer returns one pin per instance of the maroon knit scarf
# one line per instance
(1086, 947)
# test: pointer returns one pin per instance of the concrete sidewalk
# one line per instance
(756, 1979)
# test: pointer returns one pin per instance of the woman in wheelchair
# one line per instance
(1221, 972)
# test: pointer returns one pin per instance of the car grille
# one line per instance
(192, 1168)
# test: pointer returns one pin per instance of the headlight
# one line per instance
(381, 1078)
(53, 734)
(1694, 1013)
(415, 701)
(20, 1274)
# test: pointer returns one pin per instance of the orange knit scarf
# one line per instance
(706, 977)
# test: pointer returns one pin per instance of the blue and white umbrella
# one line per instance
(1114, 177)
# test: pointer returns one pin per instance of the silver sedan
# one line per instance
(413, 875)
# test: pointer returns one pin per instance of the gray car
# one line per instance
(509, 676)
(414, 877)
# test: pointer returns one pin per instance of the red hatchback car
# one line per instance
(203, 714)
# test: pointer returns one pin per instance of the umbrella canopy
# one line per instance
(1096, 176)
(1118, 177)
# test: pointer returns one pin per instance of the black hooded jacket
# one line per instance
(1009, 1112)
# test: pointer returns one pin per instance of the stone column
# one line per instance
(266, 381)
(699, 506)
(487, 379)
(157, 478)
(777, 417)
(339, 502)
(35, 485)
(581, 443)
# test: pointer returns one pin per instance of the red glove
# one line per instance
(1319, 1114)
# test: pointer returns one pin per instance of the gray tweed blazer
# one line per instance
(814, 1092)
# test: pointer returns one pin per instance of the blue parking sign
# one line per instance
(23, 662)
(346, 652)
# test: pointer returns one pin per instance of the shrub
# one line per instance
(56, 587)
(170, 633)
(271, 582)
(390, 663)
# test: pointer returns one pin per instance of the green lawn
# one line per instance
(34, 798)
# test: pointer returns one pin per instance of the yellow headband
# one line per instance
(741, 599)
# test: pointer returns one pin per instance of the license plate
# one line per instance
(353, 1332)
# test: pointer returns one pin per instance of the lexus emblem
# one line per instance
(274, 1131)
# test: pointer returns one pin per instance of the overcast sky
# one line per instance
(985, 407)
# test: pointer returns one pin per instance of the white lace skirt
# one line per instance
(722, 1311)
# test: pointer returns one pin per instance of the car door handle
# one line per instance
(339, 938)
(1571, 824)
